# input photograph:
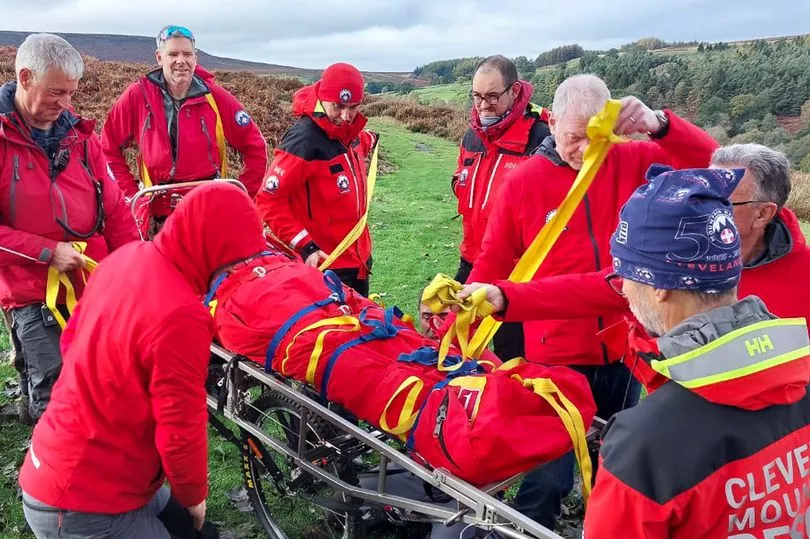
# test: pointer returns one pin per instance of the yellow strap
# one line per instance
(223, 150)
(358, 229)
(572, 420)
(57, 278)
(407, 416)
(440, 293)
(315, 356)
(600, 133)
(147, 181)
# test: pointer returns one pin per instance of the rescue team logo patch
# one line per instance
(271, 184)
(343, 183)
(242, 118)
(550, 215)
(721, 230)
(345, 95)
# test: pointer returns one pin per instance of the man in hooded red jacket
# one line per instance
(129, 410)
(721, 448)
(505, 129)
(315, 189)
(54, 191)
(180, 120)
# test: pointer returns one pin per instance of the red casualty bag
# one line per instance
(303, 324)
(489, 427)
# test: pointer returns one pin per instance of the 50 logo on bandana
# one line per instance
(713, 236)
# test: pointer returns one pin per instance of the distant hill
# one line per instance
(141, 50)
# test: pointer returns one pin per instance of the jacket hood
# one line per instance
(548, 149)
(782, 236)
(200, 82)
(521, 106)
(740, 355)
(66, 121)
(213, 226)
(306, 103)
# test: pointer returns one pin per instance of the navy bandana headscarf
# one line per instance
(677, 232)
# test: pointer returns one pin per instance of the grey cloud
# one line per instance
(398, 35)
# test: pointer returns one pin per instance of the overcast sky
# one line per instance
(398, 35)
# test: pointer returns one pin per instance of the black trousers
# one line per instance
(508, 341)
(350, 277)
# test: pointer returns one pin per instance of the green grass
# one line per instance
(456, 93)
(414, 238)
(412, 213)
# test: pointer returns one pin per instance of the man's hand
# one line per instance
(197, 513)
(66, 258)
(636, 117)
(315, 258)
(494, 294)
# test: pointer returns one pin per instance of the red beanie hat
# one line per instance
(341, 83)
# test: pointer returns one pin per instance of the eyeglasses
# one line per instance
(614, 280)
(492, 99)
(749, 202)
(175, 31)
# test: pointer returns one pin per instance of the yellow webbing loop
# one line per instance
(600, 133)
(407, 416)
(57, 278)
(572, 420)
(358, 228)
(440, 293)
(317, 349)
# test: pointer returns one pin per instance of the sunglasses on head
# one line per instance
(175, 31)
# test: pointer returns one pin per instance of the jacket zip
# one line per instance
(208, 139)
(309, 200)
(438, 430)
(14, 179)
(472, 181)
(354, 177)
(491, 177)
(599, 321)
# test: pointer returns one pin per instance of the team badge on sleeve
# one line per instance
(271, 185)
(242, 118)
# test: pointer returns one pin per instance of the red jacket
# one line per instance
(485, 158)
(30, 203)
(315, 189)
(532, 193)
(140, 117)
(773, 279)
(722, 451)
(128, 410)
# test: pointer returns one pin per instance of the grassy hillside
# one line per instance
(456, 93)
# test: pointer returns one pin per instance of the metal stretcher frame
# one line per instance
(477, 506)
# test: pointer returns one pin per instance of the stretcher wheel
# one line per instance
(284, 496)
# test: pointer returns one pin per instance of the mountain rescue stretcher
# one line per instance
(280, 466)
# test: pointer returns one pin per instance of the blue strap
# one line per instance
(333, 283)
(214, 287)
(224, 275)
(381, 329)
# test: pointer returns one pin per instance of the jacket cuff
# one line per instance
(308, 249)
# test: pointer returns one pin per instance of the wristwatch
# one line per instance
(663, 122)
